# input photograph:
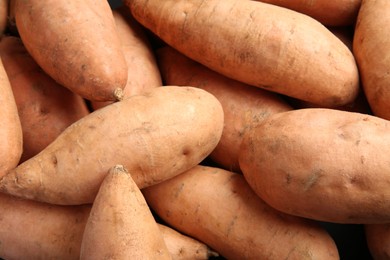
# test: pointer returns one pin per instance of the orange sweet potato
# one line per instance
(244, 106)
(155, 136)
(120, 224)
(143, 73)
(11, 136)
(78, 45)
(45, 108)
(260, 44)
(370, 44)
(324, 164)
(219, 208)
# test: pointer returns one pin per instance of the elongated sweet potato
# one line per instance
(143, 73)
(323, 164)
(370, 44)
(244, 106)
(155, 136)
(45, 108)
(219, 208)
(121, 216)
(334, 13)
(11, 136)
(78, 45)
(260, 44)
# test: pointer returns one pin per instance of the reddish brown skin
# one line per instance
(333, 13)
(219, 208)
(370, 45)
(143, 72)
(378, 240)
(262, 45)
(244, 106)
(78, 45)
(324, 164)
(155, 136)
(120, 224)
(45, 108)
(4, 12)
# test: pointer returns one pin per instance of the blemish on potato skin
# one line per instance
(312, 179)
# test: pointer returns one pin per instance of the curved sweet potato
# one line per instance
(155, 136)
(260, 44)
(45, 108)
(78, 45)
(219, 208)
(336, 162)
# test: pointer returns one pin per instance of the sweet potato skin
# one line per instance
(276, 48)
(78, 45)
(244, 106)
(4, 11)
(11, 135)
(152, 135)
(370, 45)
(327, 158)
(122, 217)
(378, 240)
(45, 108)
(219, 208)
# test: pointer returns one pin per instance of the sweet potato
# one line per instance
(323, 164)
(244, 106)
(334, 13)
(184, 247)
(155, 136)
(378, 240)
(370, 44)
(121, 216)
(219, 208)
(78, 45)
(11, 136)
(45, 108)
(260, 44)
(4, 11)
(143, 73)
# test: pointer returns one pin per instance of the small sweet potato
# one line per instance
(219, 208)
(45, 108)
(76, 43)
(244, 106)
(323, 164)
(155, 136)
(120, 224)
(260, 44)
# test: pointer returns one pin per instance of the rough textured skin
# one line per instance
(244, 106)
(11, 137)
(45, 108)
(120, 224)
(259, 44)
(34, 230)
(378, 240)
(78, 45)
(370, 44)
(334, 13)
(219, 208)
(183, 247)
(143, 72)
(155, 136)
(322, 164)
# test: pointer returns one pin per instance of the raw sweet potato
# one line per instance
(378, 240)
(11, 136)
(4, 11)
(219, 208)
(45, 108)
(370, 45)
(120, 224)
(244, 106)
(78, 45)
(334, 13)
(260, 44)
(155, 136)
(323, 164)
(143, 73)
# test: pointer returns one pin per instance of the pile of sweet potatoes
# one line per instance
(184, 129)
